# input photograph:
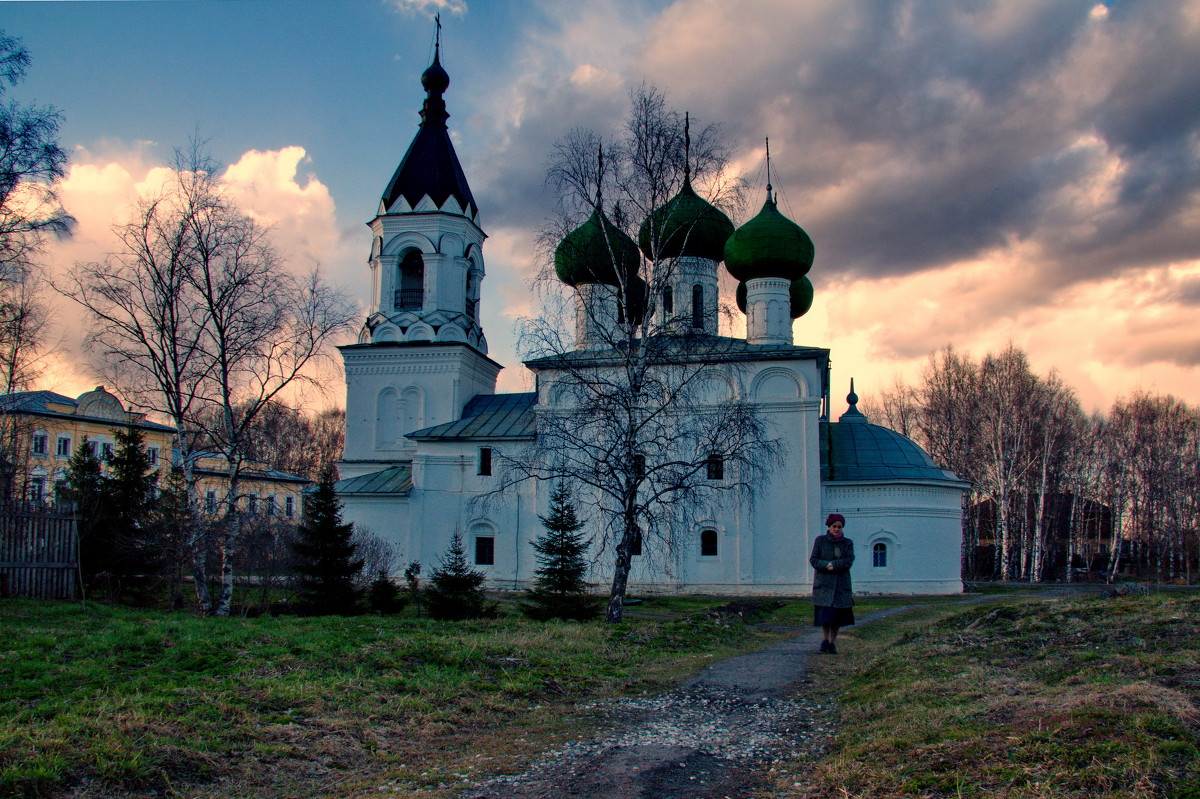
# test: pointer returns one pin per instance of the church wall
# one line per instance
(919, 527)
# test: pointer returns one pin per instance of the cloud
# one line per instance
(430, 7)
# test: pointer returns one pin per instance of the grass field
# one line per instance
(1018, 696)
(114, 702)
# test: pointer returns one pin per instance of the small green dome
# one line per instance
(593, 252)
(769, 245)
(801, 292)
(687, 225)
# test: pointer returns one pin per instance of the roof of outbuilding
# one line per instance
(38, 403)
(393, 480)
(487, 416)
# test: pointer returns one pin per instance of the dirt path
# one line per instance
(707, 739)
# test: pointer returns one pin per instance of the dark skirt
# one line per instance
(834, 617)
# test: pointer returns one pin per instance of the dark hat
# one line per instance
(835, 517)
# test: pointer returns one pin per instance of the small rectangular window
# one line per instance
(485, 550)
(635, 549)
(252, 504)
(107, 449)
(271, 505)
(289, 506)
(210, 501)
(715, 467)
(152, 457)
(37, 489)
(41, 444)
(708, 543)
(485, 460)
(64, 447)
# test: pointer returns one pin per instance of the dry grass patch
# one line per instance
(1033, 698)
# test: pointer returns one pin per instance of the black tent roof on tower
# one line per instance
(430, 167)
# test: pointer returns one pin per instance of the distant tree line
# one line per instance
(1056, 493)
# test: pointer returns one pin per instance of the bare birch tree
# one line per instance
(195, 317)
(632, 425)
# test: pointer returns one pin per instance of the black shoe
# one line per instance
(824, 646)
(831, 649)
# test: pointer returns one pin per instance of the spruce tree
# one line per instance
(559, 590)
(455, 590)
(383, 595)
(325, 554)
(129, 488)
(85, 490)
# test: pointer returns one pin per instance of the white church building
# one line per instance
(425, 427)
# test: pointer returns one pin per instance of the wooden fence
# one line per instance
(39, 558)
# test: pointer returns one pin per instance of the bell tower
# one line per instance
(421, 354)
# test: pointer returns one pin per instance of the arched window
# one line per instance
(697, 306)
(668, 301)
(714, 467)
(708, 543)
(411, 294)
(472, 304)
(387, 419)
(879, 555)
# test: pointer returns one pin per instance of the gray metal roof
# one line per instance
(37, 403)
(394, 480)
(487, 416)
(697, 347)
(858, 450)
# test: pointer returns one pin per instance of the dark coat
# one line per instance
(832, 588)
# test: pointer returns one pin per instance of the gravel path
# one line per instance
(706, 739)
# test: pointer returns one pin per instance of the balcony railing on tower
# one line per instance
(409, 299)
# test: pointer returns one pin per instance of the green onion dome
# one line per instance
(769, 245)
(687, 225)
(801, 293)
(593, 253)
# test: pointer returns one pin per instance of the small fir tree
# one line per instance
(412, 577)
(85, 490)
(325, 554)
(383, 595)
(455, 590)
(559, 590)
(129, 488)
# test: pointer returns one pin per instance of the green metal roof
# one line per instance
(596, 252)
(487, 416)
(769, 245)
(687, 225)
(394, 480)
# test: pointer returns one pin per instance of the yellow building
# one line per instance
(265, 492)
(42, 429)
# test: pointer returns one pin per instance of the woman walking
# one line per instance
(833, 597)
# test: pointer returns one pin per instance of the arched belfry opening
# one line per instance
(411, 294)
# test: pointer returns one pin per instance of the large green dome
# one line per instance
(686, 225)
(801, 294)
(769, 245)
(594, 252)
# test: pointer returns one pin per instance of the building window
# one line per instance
(63, 447)
(639, 466)
(708, 543)
(714, 467)
(697, 306)
(37, 489)
(879, 556)
(107, 449)
(668, 301)
(91, 447)
(252, 504)
(41, 443)
(152, 457)
(271, 507)
(210, 501)
(485, 460)
(289, 506)
(635, 548)
(485, 550)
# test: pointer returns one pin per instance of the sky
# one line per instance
(972, 173)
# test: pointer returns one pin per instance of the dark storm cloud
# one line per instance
(909, 136)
